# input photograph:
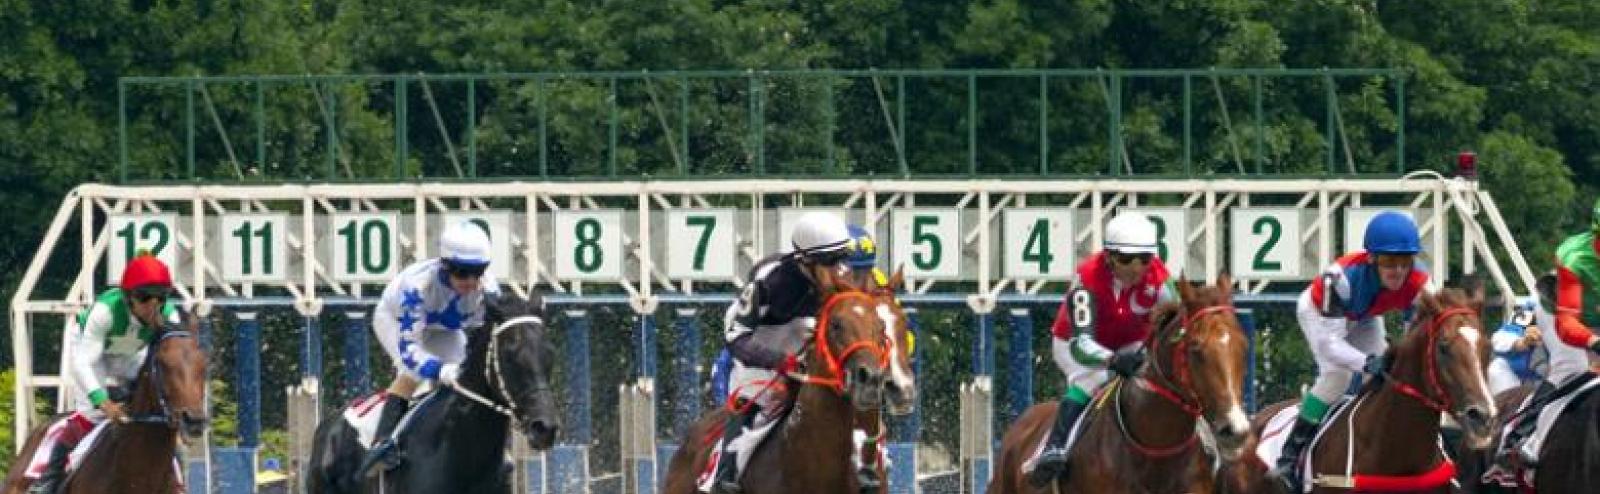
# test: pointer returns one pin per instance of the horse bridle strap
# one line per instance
(1440, 401)
(820, 341)
(1179, 358)
(492, 375)
(161, 416)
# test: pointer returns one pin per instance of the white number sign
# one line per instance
(588, 245)
(1265, 243)
(366, 246)
(1038, 243)
(253, 247)
(700, 244)
(927, 242)
(498, 225)
(157, 233)
(1172, 235)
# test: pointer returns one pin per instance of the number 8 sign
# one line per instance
(588, 245)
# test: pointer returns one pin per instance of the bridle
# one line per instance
(163, 414)
(1179, 389)
(494, 375)
(1434, 396)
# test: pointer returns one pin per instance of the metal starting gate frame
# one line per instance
(244, 248)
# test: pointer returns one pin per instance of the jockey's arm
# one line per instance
(1330, 333)
(88, 346)
(1075, 324)
(411, 324)
(1569, 309)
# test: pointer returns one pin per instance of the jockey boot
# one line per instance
(727, 481)
(50, 481)
(1288, 468)
(394, 409)
(1053, 461)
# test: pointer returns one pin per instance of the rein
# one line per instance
(835, 365)
(162, 415)
(1434, 397)
(494, 376)
(1179, 392)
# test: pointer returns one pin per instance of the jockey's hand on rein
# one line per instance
(1375, 365)
(1126, 364)
(113, 411)
(790, 363)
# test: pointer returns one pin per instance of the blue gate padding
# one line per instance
(234, 470)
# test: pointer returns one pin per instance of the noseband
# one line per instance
(494, 376)
(1434, 397)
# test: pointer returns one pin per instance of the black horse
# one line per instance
(458, 443)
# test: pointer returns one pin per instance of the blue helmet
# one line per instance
(863, 250)
(1392, 232)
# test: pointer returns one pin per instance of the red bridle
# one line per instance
(1440, 400)
(834, 377)
(1184, 396)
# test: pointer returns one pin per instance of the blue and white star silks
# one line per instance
(420, 302)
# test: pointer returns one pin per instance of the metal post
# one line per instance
(122, 136)
(1247, 321)
(356, 360)
(247, 383)
(1327, 133)
(1261, 131)
(188, 124)
(1400, 123)
(972, 124)
(261, 126)
(1019, 351)
(611, 133)
(544, 120)
(472, 127)
(683, 124)
(640, 450)
(900, 124)
(1044, 124)
(311, 349)
(904, 431)
(569, 460)
(400, 127)
(331, 124)
(1188, 125)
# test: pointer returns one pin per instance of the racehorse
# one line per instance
(460, 436)
(137, 455)
(855, 363)
(1569, 460)
(1141, 434)
(1439, 367)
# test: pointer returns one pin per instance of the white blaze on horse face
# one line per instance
(897, 373)
(1472, 335)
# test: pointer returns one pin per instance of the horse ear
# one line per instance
(1430, 303)
(898, 281)
(1185, 290)
(1225, 287)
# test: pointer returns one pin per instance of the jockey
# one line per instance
(1102, 325)
(108, 349)
(421, 322)
(1341, 314)
(1514, 346)
(772, 320)
(1577, 302)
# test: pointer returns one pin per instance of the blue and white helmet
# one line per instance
(1524, 312)
(864, 250)
(464, 246)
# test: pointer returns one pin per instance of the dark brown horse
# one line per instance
(855, 363)
(1141, 434)
(137, 455)
(1570, 458)
(1439, 367)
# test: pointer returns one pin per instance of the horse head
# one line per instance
(1443, 360)
(856, 342)
(1201, 360)
(172, 382)
(515, 361)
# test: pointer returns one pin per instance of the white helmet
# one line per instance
(821, 236)
(1130, 233)
(464, 244)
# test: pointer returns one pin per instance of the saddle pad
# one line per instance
(363, 417)
(1276, 433)
(1547, 419)
(742, 448)
(84, 446)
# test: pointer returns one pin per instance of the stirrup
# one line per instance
(385, 453)
(727, 487)
(1052, 465)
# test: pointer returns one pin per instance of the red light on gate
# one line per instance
(1467, 165)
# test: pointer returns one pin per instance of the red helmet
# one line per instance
(146, 270)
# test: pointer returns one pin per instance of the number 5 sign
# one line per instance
(927, 242)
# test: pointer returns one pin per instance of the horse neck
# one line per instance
(1154, 420)
(1403, 427)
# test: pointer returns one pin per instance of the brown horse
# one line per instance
(1438, 368)
(137, 455)
(856, 364)
(1141, 434)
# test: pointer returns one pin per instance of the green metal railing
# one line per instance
(758, 95)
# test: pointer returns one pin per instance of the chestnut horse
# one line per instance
(1438, 368)
(137, 455)
(1141, 434)
(855, 364)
